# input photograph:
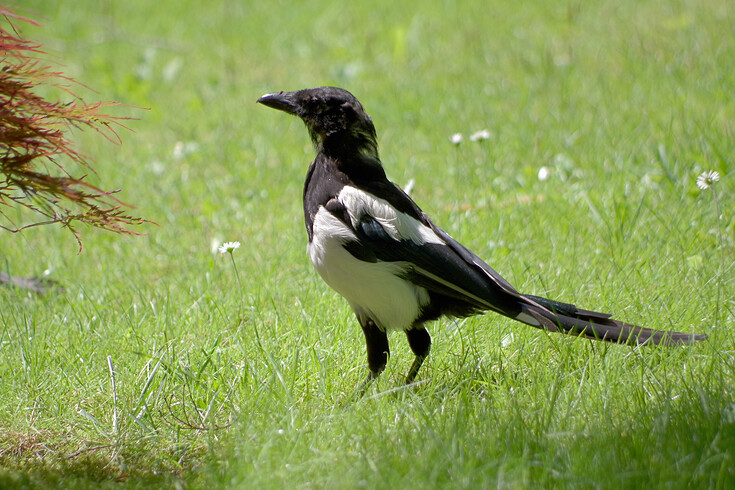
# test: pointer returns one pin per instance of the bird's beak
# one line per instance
(283, 101)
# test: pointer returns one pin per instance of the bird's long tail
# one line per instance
(566, 318)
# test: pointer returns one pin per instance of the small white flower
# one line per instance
(178, 150)
(182, 149)
(229, 247)
(543, 173)
(456, 138)
(215, 244)
(480, 135)
(706, 179)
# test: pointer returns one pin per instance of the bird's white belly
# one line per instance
(372, 288)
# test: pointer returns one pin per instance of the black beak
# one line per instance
(283, 101)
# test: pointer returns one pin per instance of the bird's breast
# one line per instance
(375, 290)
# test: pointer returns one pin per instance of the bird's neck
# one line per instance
(349, 145)
(356, 159)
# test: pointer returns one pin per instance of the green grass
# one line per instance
(220, 385)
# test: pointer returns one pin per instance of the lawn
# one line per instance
(163, 363)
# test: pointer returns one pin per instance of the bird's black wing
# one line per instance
(471, 258)
(437, 263)
(403, 202)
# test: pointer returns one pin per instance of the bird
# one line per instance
(370, 242)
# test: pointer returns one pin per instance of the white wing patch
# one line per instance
(399, 226)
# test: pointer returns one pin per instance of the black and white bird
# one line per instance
(371, 243)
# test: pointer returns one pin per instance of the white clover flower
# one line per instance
(706, 179)
(229, 247)
(480, 135)
(543, 173)
(456, 138)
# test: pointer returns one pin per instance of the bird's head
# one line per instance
(334, 117)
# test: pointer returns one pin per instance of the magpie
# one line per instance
(371, 243)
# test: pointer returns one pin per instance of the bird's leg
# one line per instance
(364, 386)
(420, 342)
(377, 351)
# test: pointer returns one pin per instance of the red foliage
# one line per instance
(34, 137)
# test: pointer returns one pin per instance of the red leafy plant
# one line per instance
(35, 144)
